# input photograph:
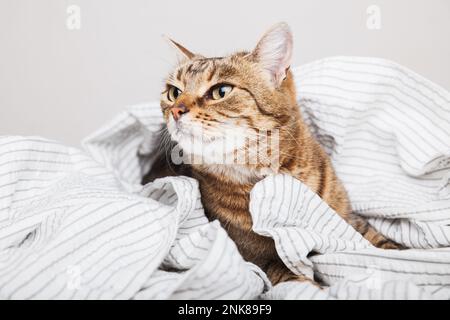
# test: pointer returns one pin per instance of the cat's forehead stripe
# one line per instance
(195, 69)
(212, 72)
(179, 73)
(199, 73)
(199, 66)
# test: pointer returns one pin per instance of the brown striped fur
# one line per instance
(262, 98)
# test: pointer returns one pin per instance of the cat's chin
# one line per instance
(204, 147)
(199, 151)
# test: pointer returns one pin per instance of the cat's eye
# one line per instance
(173, 93)
(221, 91)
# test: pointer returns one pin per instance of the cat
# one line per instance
(248, 92)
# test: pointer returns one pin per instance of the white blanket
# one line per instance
(78, 225)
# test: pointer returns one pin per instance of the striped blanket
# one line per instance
(78, 224)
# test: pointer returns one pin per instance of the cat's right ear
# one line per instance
(182, 51)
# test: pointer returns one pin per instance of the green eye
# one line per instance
(173, 93)
(221, 91)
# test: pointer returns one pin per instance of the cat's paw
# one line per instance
(302, 278)
(390, 245)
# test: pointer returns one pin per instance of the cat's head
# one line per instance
(209, 100)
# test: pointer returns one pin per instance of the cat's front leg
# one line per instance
(277, 272)
(376, 238)
(380, 241)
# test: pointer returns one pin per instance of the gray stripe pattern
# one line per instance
(78, 224)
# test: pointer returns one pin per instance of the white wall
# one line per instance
(63, 84)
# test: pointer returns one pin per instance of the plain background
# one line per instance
(63, 84)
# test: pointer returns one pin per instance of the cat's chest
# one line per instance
(239, 175)
(226, 194)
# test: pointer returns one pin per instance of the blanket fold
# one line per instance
(79, 225)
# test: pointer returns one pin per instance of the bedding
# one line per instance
(77, 224)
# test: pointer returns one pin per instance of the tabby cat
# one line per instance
(252, 91)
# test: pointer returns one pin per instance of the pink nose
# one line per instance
(178, 111)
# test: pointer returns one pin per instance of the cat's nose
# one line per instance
(178, 111)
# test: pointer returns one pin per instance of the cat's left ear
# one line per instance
(274, 52)
(185, 53)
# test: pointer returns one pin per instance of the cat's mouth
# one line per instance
(182, 131)
(205, 141)
(223, 144)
